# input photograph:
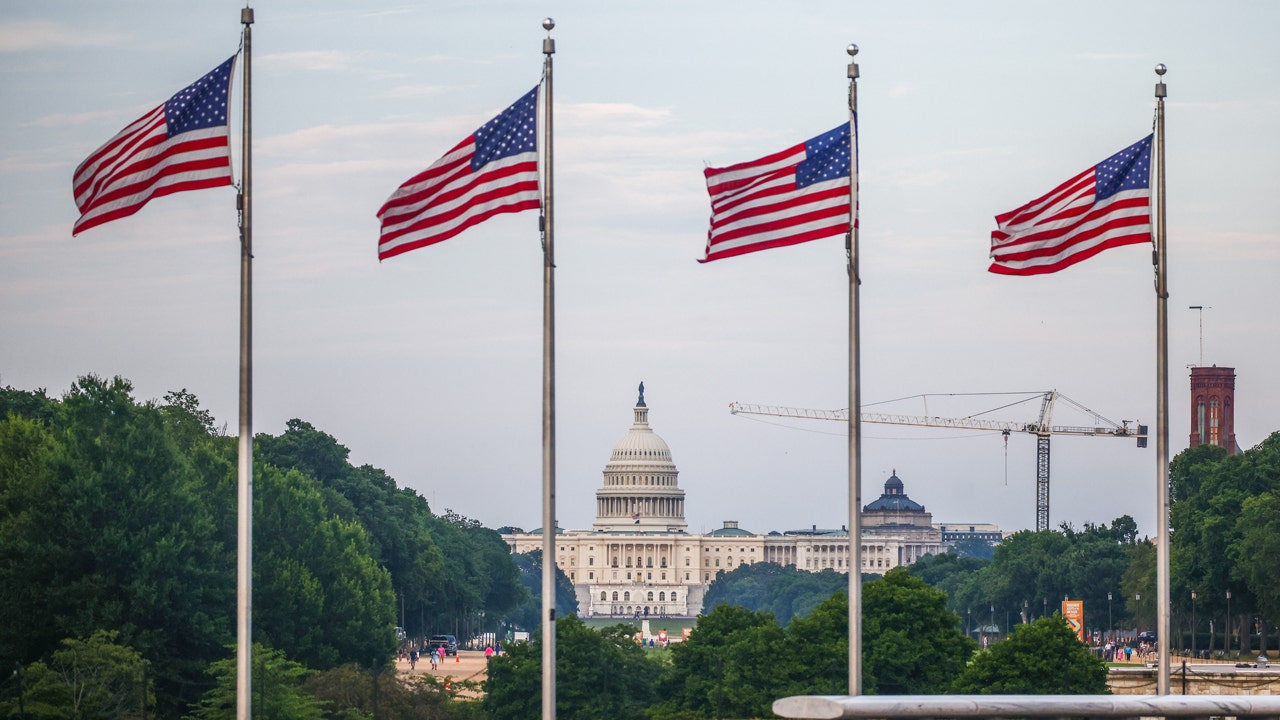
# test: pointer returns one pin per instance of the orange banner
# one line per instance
(1073, 613)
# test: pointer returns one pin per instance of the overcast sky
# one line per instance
(429, 365)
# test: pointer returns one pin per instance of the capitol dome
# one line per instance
(640, 491)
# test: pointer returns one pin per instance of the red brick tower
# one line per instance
(1213, 407)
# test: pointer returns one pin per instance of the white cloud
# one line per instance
(59, 120)
(619, 115)
(310, 60)
(22, 35)
(403, 92)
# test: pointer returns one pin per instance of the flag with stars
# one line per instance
(181, 145)
(789, 197)
(1106, 206)
(493, 171)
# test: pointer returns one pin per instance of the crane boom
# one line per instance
(1042, 429)
(966, 423)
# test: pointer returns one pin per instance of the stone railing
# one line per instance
(830, 707)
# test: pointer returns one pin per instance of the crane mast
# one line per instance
(1042, 428)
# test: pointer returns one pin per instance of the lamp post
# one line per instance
(1111, 628)
(1226, 629)
(968, 629)
(1193, 623)
(1137, 598)
(1044, 610)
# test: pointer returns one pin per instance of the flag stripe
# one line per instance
(1106, 206)
(183, 144)
(444, 201)
(491, 172)
(789, 197)
(104, 163)
(822, 196)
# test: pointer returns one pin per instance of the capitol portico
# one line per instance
(639, 559)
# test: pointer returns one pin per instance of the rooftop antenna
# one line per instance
(1201, 309)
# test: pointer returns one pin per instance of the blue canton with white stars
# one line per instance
(826, 157)
(1129, 169)
(513, 131)
(202, 104)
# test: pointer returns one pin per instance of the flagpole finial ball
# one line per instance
(548, 24)
(852, 49)
(1161, 69)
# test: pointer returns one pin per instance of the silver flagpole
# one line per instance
(1162, 403)
(548, 401)
(855, 399)
(244, 531)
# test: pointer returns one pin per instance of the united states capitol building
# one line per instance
(638, 557)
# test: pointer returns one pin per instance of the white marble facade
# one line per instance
(639, 559)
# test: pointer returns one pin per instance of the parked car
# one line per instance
(1147, 636)
(448, 642)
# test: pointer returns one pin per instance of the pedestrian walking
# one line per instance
(413, 659)
(433, 660)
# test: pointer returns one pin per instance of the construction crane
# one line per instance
(1042, 429)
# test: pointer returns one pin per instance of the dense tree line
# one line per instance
(119, 517)
(770, 587)
(1224, 537)
(1225, 531)
(529, 614)
(117, 585)
(738, 661)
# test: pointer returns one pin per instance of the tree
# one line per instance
(1210, 538)
(975, 548)
(784, 591)
(447, 571)
(911, 642)
(106, 524)
(1040, 658)
(313, 452)
(728, 667)
(277, 689)
(319, 595)
(601, 674)
(528, 615)
(86, 679)
(1033, 571)
(35, 405)
(1259, 537)
(815, 658)
(948, 571)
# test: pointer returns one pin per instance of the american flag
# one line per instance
(181, 145)
(493, 171)
(789, 197)
(1106, 206)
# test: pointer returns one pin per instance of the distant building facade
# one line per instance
(1213, 407)
(953, 533)
(638, 559)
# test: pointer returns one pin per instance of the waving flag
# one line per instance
(493, 171)
(1106, 206)
(181, 145)
(789, 197)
